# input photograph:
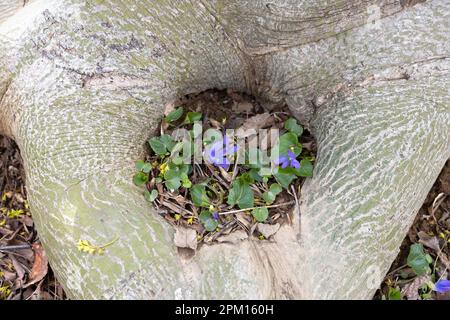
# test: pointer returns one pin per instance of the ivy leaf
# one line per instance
(241, 194)
(140, 178)
(192, 117)
(284, 177)
(151, 196)
(260, 214)
(198, 195)
(417, 259)
(208, 222)
(292, 126)
(174, 115)
(157, 146)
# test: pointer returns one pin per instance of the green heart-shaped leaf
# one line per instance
(174, 115)
(292, 126)
(417, 259)
(260, 214)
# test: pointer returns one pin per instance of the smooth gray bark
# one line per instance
(83, 84)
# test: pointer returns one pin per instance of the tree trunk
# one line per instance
(83, 85)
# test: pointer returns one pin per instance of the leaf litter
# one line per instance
(424, 257)
(24, 270)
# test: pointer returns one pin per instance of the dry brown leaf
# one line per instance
(180, 200)
(216, 124)
(26, 220)
(411, 290)
(17, 267)
(28, 254)
(234, 237)
(169, 107)
(242, 107)
(40, 265)
(267, 230)
(9, 276)
(256, 122)
(437, 202)
(185, 238)
(431, 242)
(243, 219)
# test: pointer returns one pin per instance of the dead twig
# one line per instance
(15, 247)
(268, 207)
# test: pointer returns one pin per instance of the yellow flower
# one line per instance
(177, 217)
(13, 213)
(163, 168)
(190, 220)
(4, 292)
(85, 246)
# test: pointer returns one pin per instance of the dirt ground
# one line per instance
(25, 274)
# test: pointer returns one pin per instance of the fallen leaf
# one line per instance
(169, 107)
(233, 237)
(180, 200)
(17, 267)
(26, 220)
(254, 123)
(431, 242)
(411, 290)
(40, 265)
(9, 276)
(267, 230)
(185, 238)
(216, 124)
(437, 202)
(244, 220)
(19, 198)
(242, 107)
(236, 96)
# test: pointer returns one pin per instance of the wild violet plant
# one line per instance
(211, 190)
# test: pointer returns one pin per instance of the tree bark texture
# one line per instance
(83, 84)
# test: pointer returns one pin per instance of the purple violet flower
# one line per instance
(288, 160)
(442, 286)
(218, 156)
(215, 215)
